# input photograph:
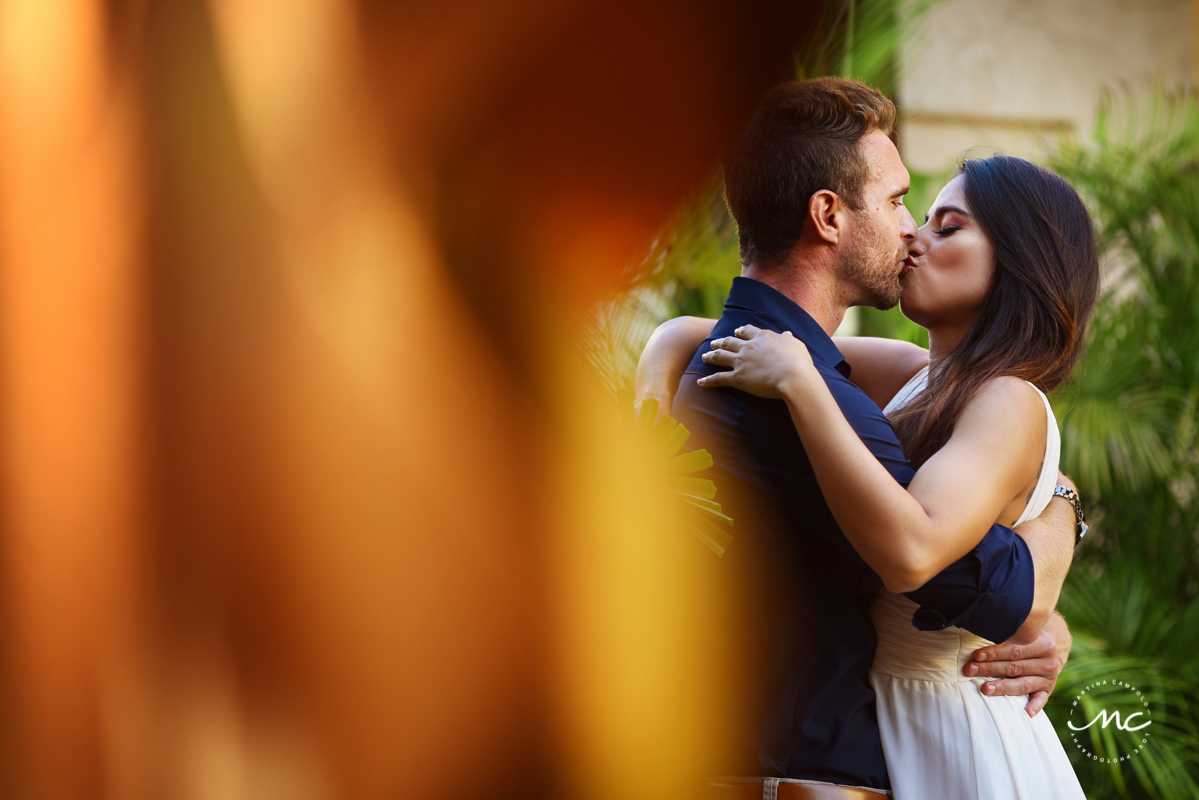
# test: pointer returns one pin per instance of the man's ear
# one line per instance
(826, 213)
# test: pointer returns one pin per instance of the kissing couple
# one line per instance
(900, 508)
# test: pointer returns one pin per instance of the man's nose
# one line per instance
(907, 226)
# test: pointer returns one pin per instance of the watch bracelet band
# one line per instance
(1080, 519)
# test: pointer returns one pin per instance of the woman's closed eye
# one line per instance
(948, 229)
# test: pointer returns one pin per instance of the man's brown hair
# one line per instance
(802, 139)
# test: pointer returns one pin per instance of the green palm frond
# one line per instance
(1131, 417)
(861, 39)
(1128, 626)
(1116, 425)
(617, 332)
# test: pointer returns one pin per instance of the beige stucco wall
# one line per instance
(1015, 75)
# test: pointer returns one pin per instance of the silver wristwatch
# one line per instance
(1080, 519)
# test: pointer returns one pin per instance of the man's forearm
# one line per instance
(1050, 539)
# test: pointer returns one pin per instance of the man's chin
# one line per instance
(884, 299)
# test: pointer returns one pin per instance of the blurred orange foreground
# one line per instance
(306, 493)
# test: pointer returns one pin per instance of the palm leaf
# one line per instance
(665, 436)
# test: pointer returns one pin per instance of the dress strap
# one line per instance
(1042, 493)
(915, 385)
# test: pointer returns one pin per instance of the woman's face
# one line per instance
(949, 266)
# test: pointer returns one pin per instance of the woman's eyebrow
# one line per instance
(946, 209)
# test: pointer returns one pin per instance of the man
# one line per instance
(821, 151)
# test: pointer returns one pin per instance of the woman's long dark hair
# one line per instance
(1032, 321)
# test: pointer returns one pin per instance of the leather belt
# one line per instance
(784, 789)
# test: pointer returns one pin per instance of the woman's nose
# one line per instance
(918, 244)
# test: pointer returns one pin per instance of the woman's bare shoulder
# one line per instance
(1010, 409)
(1005, 424)
(1010, 389)
(881, 367)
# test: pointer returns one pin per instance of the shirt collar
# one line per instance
(756, 296)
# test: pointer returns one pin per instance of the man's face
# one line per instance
(878, 236)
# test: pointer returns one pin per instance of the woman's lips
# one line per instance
(907, 265)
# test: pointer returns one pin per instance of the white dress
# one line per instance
(942, 738)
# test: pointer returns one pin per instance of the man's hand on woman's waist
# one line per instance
(1030, 669)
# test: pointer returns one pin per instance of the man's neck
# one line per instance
(809, 286)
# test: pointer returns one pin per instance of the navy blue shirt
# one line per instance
(816, 641)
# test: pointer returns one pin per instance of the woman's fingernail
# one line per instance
(989, 689)
(972, 669)
(980, 657)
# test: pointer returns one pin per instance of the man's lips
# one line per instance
(906, 265)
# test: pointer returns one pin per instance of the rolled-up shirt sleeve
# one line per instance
(988, 592)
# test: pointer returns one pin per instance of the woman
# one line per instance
(1003, 275)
